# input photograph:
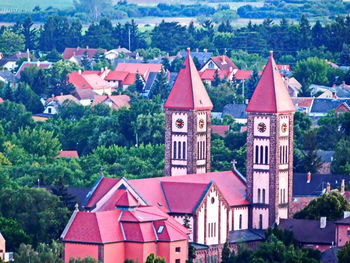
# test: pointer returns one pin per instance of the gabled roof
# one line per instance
(68, 154)
(8, 76)
(271, 94)
(209, 74)
(324, 105)
(243, 74)
(224, 63)
(220, 129)
(37, 64)
(343, 221)
(237, 111)
(87, 81)
(62, 98)
(117, 101)
(314, 234)
(141, 68)
(305, 102)
(202, 56)
(78, 51)
(188, 91)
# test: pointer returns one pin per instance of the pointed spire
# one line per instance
(188, 91)
(271, 94)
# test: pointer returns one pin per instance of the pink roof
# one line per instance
(188, 91)
(209, 74)
(224, 62)
(118, 101)
(70, 52)
(183, 197)
(68, 154)
(1, 100)
(117, 75)
(111, 226)
(103, 187)
(220, 129)
(243, 74)
(303, 101)
(271, 94)
(230, 184)
(38, 64)
(141, 68)
(62, 98)
(283, 67)
(100, 227)
(88, 81)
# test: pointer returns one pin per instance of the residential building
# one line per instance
(68, 154)
(68, 53)
(115, 102)
(221, 63)
(220, 129)
(117, 53)
(90, 81)
(35, 64)
(7, 76)
(52, 104)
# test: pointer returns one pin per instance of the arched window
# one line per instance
(240, 222)
(179, 150)
(263, 196)
(266, 155)
(261, 154)
(174, 151)
(184, 150)
(260, 221)
(259, 195)
(256, 154)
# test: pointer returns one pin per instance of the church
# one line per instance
(129, 219)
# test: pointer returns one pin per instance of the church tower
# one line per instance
(269, 149)
(187, 124)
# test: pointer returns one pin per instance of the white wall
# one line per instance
(237, 212)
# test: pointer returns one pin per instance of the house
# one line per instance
(320, 234)
(92, 82)
(10, 63)
(68, 53)
(85, 96)
(117, 53)
(201, 56)
(236, 111)
(242, 74)
(41, 117)
(208, 75)
(36, 64)
(120, 79)
(122, 228)
(303, 104)
(2, 247)
(320, 107)
(7, 76)
(294, 87)
(220, 129)
(115, 102)
(143, 69)
(68, 154)
(342, 230)
(326, 158)
(52, 104)
(220, 62)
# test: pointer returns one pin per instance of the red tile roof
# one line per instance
(271, 94)
(62, 98)
(70, 52)
(303, 102)
(209, 74)
(87, 81)
(68, 154)
(220, 129)
(283, 67)
(141, 68)
(38, 64)
(242, 74)
(1, 100)
(103, 187)
(118, 101)
(117, 75)
(224, 62)
(188, 91)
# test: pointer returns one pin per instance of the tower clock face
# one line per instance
(201, 123)
(180, 123)
(284, 127)
(261, 127)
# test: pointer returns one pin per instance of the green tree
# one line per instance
(331, 205)
(29, 33)
(344, 253)
(10, 43)
(13, 233)
(226, 253)
(25, 253)
(341, 159)
(14, 116)
(311, 161)
(252, 83)
(84, 260)
(139, 83)
(217, 79)
(160, 86)
(25, 95)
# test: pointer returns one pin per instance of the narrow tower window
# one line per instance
(174, 151)
(261, 154)
(259, 194)
(263, 196)
(179, 150)
(184, 150)
(266, 155)
(256, 154)
(198, 148)
(240, 222)
(260, 221)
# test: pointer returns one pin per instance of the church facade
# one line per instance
(214, 206)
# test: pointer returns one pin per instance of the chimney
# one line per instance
(246, 101)
(328, 188)
(77, 48)
(231, 69)
(223, 59)
(119, 47)
(205, 50)
(197, 50)
(342, 187)
(79, 71)
(28, 55)
(38, 63)
(323, 222)
(308, 177)
(61, 93)
(87, 47)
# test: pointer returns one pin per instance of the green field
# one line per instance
(30, 4)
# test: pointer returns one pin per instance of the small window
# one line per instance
(348, 233)
(49, 110)
(263, 196)
(261, 154)
(174, 151)
(260, 221)
(240, 222)
(178, 249)
(256, 154)
(259, 194)
(177, 260)
(160, 229)
(184, 150)
(266, 155)
(179, 150)
(212, 200)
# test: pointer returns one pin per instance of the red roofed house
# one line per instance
(90, 81)
(52, 104)
(208, 75)
(114, 102)
(220, 62)
(220, 206)
(37, 64)
(220, 129)
(68, 53)
(68, 154)
(125, 73)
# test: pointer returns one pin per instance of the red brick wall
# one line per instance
(342, 234)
